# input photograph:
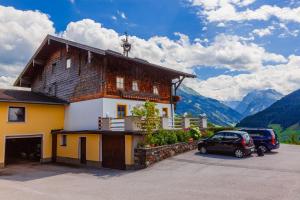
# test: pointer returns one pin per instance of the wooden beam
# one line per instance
(89, 57)
(67, 47)
(37, 62)
(49, 41)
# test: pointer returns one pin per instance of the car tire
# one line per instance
(203, 150)
(239, 153)
(263, 148)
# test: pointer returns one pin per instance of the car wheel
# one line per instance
(239, 153)
(263, 148)
(203, 150)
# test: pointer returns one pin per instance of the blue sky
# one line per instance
(234, 46)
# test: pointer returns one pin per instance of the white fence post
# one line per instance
(132, 123)
(105, 124)
(186, 122)
(165, 123)
(203, 121)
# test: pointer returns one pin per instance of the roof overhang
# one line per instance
(37, 59)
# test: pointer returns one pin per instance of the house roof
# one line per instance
(21, 96)
(50, 39)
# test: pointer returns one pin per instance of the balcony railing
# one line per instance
(132, 123)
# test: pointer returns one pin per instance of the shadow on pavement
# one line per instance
(33, 171)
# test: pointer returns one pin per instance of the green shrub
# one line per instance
(171, 137)
(195, 133)
(182, 136)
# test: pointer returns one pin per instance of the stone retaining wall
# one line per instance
(144, 157)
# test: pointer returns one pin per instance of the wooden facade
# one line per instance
(93, 74)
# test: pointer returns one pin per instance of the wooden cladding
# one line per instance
(70, 76)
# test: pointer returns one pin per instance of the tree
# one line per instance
(150, 118)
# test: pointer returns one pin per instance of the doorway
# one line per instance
(83, 150)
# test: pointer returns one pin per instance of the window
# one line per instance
(63, 140)
(217, 137)
(121, 111)
(69, 63)
(165, 112)
(16, 114)
(53, 67)
(120, 83)
(155, 90)
(135, 86)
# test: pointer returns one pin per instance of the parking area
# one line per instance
(276, 176)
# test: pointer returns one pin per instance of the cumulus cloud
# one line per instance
(284, 78)
(227, 10)
(226, 51)
(20, 34)
(22, 31)
(264, 31)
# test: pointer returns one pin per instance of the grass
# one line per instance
(290, 135)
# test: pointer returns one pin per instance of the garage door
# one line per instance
(20, 149)
(113, 151)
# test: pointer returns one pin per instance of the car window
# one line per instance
(230, 136)
(218, 136)
(255, 133)
(247, 138)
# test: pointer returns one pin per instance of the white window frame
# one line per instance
(68, 63)
(155, 90)
(135, 86)
(120, 82)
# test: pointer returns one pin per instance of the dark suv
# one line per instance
(265, 139)
(238, 143)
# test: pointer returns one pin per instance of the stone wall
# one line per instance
(144, 157)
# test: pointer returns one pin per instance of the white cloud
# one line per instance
(114, 17)
(284, 78)
(263, 32)
(21, 32)
(226, 10)
(122, 14)
(225, 51)
(72, 1)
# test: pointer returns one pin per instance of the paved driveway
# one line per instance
(187, 176)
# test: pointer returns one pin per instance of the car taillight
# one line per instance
(243, 142)
(273, 140)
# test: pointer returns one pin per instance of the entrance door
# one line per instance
(83, 150)
(113, 151)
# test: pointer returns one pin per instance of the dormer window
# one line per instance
(135, 86)
(120, 82)
(69, 63)
(155, 90)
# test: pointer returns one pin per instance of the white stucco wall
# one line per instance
(110, 106)
(84, 115)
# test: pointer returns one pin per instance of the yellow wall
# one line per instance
(39, 119)
(71, 150)
(129, 160)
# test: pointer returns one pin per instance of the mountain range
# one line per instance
(195, 104)
(255, 101)
(285, 112)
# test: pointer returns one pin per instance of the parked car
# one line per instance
(265, 139)
(238, 143)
